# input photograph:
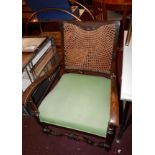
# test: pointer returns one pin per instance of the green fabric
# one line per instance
(80, 102)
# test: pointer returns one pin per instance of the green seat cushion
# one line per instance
(80, 102)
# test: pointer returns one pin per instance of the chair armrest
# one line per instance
(27, 94)
(114, 106)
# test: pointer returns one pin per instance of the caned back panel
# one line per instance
(90, 47)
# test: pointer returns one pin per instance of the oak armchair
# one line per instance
(82, 95)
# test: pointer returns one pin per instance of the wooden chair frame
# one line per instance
(53, 75)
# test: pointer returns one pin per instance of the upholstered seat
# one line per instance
(57, 11)
(54, 15)
(80, 102)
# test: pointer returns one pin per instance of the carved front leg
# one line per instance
(110, 137)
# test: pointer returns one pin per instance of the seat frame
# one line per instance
(54, 74)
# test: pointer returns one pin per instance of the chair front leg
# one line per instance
(110, 136)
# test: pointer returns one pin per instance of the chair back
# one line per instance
(36, 5)
(89, 46)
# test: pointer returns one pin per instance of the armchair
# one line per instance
(82, 95)
(54, 10)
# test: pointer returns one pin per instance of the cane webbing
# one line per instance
(89, 49)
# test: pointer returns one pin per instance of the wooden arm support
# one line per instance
(114, 107)
(27, 94)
